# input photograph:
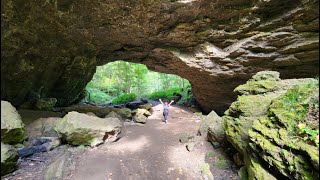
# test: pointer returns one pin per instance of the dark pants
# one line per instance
(165, 115)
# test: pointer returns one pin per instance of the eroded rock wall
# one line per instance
(274, 125)
(50, 49)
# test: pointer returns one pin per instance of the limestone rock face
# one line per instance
(9, 157)
(12, 127)
(272, 127)
(81, 129)
(52, 49)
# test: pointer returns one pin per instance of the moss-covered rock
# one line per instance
(9, 158)
(12, 127)
(140, 115)
(273, 129)
(46, 104)
(205, 171)
(262, 82)
(283, 138)
(146, 106)
(257, 172)
(81, 129)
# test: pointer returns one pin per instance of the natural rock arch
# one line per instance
(51, 49)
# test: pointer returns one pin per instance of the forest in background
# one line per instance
(120, 82)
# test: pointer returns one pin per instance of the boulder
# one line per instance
(262, 82)
(81, 129)
(113, 114)
(9, 158)
(12, 128)
(141, 115)
(92, 114)
(268, 128)
(42, 127)
(146, 106)
(99, 111)
(212, 127)
(45, 104)
(134, 104)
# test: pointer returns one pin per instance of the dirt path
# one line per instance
(147, 152)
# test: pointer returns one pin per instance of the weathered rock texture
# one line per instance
(82, 129)
(12, 127)
(9, 158)
(50, 49)
(273, 127)
(140, 115)
(101, 112)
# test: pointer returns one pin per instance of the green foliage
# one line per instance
(124, 98)
(116, 78)
(97, 96)
(292, 110)
(166, 95)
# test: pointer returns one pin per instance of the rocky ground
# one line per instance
(149, 151)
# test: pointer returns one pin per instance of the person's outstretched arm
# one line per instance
(171, 102)
(161, 101)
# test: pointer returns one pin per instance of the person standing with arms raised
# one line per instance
(166, 109)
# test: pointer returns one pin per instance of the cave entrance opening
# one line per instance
(120, 82)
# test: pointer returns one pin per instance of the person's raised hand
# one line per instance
(159, 99)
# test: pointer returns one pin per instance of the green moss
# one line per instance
(256, 171)
(210, 154)
(258, 87)
(13, 136)
(221, 164)
(251, 105)
(205, 170)
(243, 174)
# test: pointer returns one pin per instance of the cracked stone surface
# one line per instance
(51, 49)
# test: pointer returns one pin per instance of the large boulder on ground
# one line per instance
(146, 106)
(272, 129)
(113, 114)
(215, 129)
(101, 112)
(211, 126)
(42, 127)
(9, 158)
(141, 115)
(81, 129)
(12, 128)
